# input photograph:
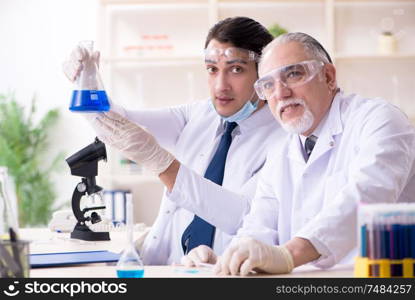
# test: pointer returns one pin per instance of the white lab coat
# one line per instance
(192, 133)
(364, 154)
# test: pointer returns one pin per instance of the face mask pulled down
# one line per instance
(241, 114)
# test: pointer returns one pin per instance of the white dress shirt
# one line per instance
(192, 133)
(364, 154)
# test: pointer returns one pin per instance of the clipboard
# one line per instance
(46, 260)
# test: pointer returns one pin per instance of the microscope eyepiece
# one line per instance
(84, 162)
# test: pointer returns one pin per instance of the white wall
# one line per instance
(35, 37)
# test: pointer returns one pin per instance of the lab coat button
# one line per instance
(168, 211)
(154, 237)
(331, 144)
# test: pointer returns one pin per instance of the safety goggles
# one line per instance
(231, 54)
(289, 76)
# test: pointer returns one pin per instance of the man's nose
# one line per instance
(222, 82)
(280, 91)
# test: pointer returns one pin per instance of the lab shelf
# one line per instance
(156, 61)
(341, 56)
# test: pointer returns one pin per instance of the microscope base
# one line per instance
(82, 232)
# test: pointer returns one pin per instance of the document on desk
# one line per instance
(45, 260)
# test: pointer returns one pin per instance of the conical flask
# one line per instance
(89, 94)
(130, 264)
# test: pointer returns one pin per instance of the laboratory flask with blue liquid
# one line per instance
(89, 94)
(130, 264)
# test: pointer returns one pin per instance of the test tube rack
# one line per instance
(386, 241)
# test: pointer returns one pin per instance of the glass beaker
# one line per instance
(130, 264)
(8, 205)
(14, 261)
(89, 94)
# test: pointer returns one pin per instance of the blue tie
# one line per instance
(200, 232)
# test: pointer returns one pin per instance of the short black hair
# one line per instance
(242, 32)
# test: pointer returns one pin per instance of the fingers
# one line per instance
(187, 261)
(121, 133)
(237, 259)
(222, 266)
(73, 66)
(110, 122)
(115, 118)
(72, 69)
(194, 256)
(124, 126)
(198, 255)
(203, 253)
(247, 267)
(96, 56)
(242, 266)
(217, 268)
(78, 54)
(241, 257)
(104, 123)
(90, 117)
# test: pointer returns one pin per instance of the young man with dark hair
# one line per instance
(216, 147)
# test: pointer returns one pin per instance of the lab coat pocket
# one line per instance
(333, 185)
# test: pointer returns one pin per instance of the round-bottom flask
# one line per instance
(130, 264)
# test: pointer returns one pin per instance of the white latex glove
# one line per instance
(246, 254)
(132, 141)
(72, 67)
(200, 254)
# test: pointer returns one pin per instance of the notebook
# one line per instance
(71, 258)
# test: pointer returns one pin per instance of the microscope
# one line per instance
(84, 163)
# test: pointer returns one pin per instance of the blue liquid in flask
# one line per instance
(89, 101)
(130, 273)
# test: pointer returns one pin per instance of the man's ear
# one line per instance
(330, 76)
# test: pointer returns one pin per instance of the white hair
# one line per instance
(310, 44)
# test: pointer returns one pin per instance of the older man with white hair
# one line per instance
(343, 150)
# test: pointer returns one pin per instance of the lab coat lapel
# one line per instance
(324, 143)
(333, 127)
(295, 150)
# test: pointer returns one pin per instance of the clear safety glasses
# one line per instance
(213, 55)
(289, 76)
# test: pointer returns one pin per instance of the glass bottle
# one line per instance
(89, 94)
(130, 264)
(387, 43)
